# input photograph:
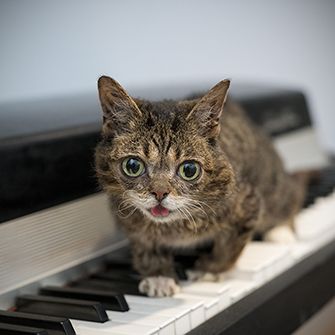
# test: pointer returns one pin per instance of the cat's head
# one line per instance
(162, 158)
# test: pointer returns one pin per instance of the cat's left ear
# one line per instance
(207, 112)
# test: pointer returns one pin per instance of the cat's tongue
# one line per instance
(159, 210)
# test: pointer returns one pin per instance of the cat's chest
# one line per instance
(184, 239)
(177, 234)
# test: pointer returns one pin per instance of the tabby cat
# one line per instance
(182, 173)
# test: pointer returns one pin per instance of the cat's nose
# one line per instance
(160, 195)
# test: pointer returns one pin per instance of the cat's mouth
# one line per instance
(159, 211)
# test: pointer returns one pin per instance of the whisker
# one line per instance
(129, 214)
(124, 205)
(201, 203)
(186, 216)
(192, 219)
(198, 207)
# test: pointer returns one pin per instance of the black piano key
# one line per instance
(54, 325)
(186, 261)
(9, 329)
(123, 270)
(125, 277)
(109, 286)
(180, 271)
(320, 186)
(68, 308)
(120, 263)
(111, 301)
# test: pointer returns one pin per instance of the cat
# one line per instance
(180, 173)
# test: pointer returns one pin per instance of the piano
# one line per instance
(65, 267)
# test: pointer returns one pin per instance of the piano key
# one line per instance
(187, 261)
(260, 261)
(166, 324)
(238, 289)
(317, 220)
(180, 271)
(309, 225)
(111, 301)
(109, 285)
(120, 263)
(69, 308)
(185, 308)
(231, 289)
(315, 227)
(211, 306)
(128, 274)
(54, 325)
(181, 315)
(112, 328)
(300, 250)
(99, 284)
(209, 289)
(123, 275)
(183, 319)
(9, 329)
(321, 186)
(202, 307)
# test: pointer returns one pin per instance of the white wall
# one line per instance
(56, 47)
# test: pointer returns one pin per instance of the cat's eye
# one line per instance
(133, 167)
(189, 170)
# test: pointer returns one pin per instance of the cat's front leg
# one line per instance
(226, 250)
(156, 267)
(245, 215)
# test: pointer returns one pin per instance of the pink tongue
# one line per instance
(159, 210)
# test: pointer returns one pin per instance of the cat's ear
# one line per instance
(120, 112)
(207, 112)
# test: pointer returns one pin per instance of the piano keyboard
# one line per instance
(108, 301)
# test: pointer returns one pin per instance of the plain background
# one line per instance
(50, 48)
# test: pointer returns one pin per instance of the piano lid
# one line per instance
(82, 111)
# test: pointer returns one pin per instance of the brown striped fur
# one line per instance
(243, 188)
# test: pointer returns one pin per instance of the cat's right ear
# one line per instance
(120, 112)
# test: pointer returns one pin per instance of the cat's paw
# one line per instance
(159, 286)
(196, 275)
(280, 234)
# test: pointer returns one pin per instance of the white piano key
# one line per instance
(166, 324)
(89, 331)
(209, 289)
(211, 307)
(310, 225)
(164, 306)
(188, 310)
(198, 315)
(317, 220)
(238, 289)
(261, 261)
(182, 318)
(112, 328)
(300, 250)
(280, 263)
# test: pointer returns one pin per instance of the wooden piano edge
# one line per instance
(283, 304)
